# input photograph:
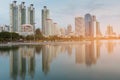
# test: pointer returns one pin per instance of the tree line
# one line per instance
(12, 36)
(38, 36)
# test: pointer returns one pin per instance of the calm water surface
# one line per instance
(92, 60)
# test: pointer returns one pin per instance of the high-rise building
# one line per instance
(94, 18)
(89, 27)
(62, 31)
(22, 15)
(96, 26)
(14, 17)
(79, 26)
(18, 18)
(31, 15)
(55, 28)
(98, 31)
(109, 31)
(49, 29)
(69, 29)
(45, 16)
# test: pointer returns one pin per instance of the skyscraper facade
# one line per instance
(96, 26)
(45, 16)
(49, 29)
(89, 26)
(109, 31)
(56, 29)
(22, 15)
(69, 29)
(31, 15)
(79, 26)
(98, 31)
(13, 17)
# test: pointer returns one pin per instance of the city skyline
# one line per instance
(106, 12)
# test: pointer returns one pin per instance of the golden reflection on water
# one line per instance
(110, 46)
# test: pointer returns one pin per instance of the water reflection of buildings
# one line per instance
(14, 64)
(110, 46)
(48, 54)
(18, 62)
(69, 48)
(88, 53)
(84, 53)
(22, 60)
(80, 53)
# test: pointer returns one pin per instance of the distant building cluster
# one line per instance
(87, 26)
(22, 21)
(84, 27)
(110, 32)
(4, 28)
(19, 21)
(49, 28)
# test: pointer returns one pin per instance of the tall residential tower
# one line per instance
(22, 15)
(13, 17)
(31, 16)
(45, 16)
(89, 27)
(79, 26)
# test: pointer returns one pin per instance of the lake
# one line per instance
(88, 60)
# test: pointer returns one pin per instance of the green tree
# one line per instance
(5, 36)
(30, 37)
(15, 36)
(38, 34)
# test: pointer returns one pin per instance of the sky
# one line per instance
(64, 12)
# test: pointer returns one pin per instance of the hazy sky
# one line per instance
(64, 11)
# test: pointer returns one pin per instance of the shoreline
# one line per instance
(49, 43)
(41, 43)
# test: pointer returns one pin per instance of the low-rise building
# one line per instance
(27, 29)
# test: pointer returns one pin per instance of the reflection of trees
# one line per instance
(7, 49)
(38, 49)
